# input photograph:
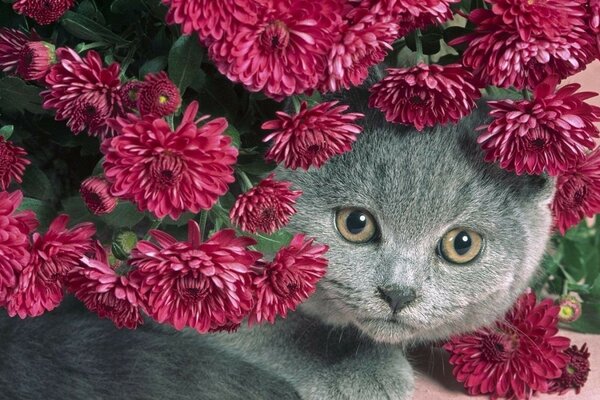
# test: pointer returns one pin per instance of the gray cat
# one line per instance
(426, 240)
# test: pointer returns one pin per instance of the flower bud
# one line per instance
(123, 244)
(570, 309)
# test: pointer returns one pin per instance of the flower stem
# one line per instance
(419, 44)
(246, 182)
(526, 94)
(202, 220)
(155, 224)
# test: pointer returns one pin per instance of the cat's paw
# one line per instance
(366, 380)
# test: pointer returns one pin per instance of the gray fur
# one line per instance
(344, 342)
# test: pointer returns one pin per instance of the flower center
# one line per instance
(267, 216)
(166, 169)
(276, 36)
(499, 347)
(192, 290)
(284, 284)
(537, 144)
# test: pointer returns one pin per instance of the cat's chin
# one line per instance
(387, 330)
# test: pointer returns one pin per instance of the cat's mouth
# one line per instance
(388, 330)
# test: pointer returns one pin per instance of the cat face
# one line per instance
(426, 239)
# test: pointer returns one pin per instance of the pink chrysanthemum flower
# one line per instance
(514, 358)
(95, 192)
(289, 279)
(549, 133)
(40, 287)
(43, 12)
(312, 135)
(130, 93)
(83, 92)
(15, 228)
(279, 48)
(498, 55)
(203, 285)
(266, 207)
(29, 58)
(158, 95)
(413, 14)
(425, 95)
(210, 18)
(365, 40)
(575, 373)
(577, 193)
(12, 163)
(168, 172)
(594, 21)
(106, 293)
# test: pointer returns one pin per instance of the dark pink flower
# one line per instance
(413, 14)
(95, 192)
(570, 308)
(577, 193)
(26, 56)
(210, 18)
(266, 207)
(15, 228)
(40, 286)
(83, 92)
(289, 279)
(595, 16)
(158, 95)
(498, 55)
(12, 41)
(425, 95)
(43, 12)
(168, 172)
(365, 40)
(278, 47)
(575, 373)
(549, 133)
(203, 285)
(106, 293)
(130, 92)
(514, 358)
(12, 163)
(312, 135)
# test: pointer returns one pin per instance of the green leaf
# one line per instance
(16, 96)
(257, 167)
(87, 29)
(235, 136)
(431, 43)
(42, 209)
(270, 244)
(7, 131)
(127, 6)
(125, 215)
(36, 184)
(154, 65)
(589, 322)
(77, 210)
(185, 63)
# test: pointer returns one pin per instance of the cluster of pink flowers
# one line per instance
(520, 355)
(43, 12)
(292, 47)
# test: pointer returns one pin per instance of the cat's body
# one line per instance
(346, 341)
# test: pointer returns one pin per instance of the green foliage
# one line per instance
(17, 97)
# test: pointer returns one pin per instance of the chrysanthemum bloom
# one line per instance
(12, 42)
(570, 309)
(43, 12)
(168, 172)
(12, 163)
(413, 14)
(83, 92)
(498, 55)
(53, 255)
(575, 373)
(266, 207)
(516, 357)
(203, 285)
(15, 228)
(288, 280)
(130, 92)
(106, 293)
(595, 16)
(95, 192)
(280, 48)
(577, 193)
(425, 95)
(158, 95)
(366, 39)
(312, 136)
(29, 58)
(549, 133)
(210, 18)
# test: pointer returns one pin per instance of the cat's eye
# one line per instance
(356, 225)
(460, 246)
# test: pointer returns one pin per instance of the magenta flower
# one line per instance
(425, 95)
(514, 358)
(288, 280)
(201, 285)
(26, 56)
(575, 373)
(312, 136)
(211, 19)
(168, 172)
(266, 207)
(12, 163)
(549, 133)
(43, 12)
(158, 95)
(95, 192)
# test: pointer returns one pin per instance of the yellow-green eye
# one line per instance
(460, 246)
(356, 225)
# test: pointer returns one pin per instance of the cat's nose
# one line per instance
(396, 296)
